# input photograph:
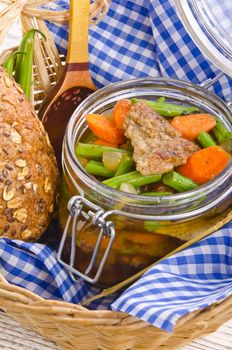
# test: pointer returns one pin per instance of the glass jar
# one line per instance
(110, 235)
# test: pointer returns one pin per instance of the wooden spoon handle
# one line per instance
(78, 31)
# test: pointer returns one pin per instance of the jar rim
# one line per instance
(124, 196)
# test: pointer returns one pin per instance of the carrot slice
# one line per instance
(205, 164)
(105, 128)
(105, 143)
(120, 111)
(190, 126)
(146, 238)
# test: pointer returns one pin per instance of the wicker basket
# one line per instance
(72, 326)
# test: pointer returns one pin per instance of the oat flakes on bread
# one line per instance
(28, 169)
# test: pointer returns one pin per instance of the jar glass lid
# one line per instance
(209, 23)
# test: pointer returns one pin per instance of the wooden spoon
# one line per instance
(75, 84)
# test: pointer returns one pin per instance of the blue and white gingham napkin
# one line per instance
(137, 38)
(34, 266)
(190, 280)
(145, 38)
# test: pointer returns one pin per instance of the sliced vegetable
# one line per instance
(178, 182)
(111, 160)
(205, 164)
(205, 139)
(190, 126)
(134, 178)
(105, 143)
(88, 150)
(98, 169)
(120, 111)
(221, 133)
(125, 165)
(105, 128)
(127, 187)
(146, 238)
(168, 109)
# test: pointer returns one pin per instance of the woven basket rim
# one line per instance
(25, 299)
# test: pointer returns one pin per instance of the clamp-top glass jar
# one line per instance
(109, 235)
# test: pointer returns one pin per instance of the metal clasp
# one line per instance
(79, 206)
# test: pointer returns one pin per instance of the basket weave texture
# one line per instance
(73, 326)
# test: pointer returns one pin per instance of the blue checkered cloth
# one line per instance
(146, 38)
(137, 38)
(193, 279)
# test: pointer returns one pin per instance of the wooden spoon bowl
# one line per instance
(75, 84)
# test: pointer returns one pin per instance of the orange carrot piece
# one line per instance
(120, 111)
(190, 126)
(105, 128)
(105, 143)
(205, 164)
(146, 238)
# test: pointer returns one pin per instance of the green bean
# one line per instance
(160, 99)
(134, 178)
(221, 133)
(98, 169)
(145, 180)
(178, 182)
(24, 64)
(25, 78)
(117, 181)
(125, 165)
(155, 194)
(205, 139)
(88, 150)
(168, 109)
(9, 62)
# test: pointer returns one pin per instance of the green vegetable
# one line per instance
(134, 178)
(178, 182)
(168, 109)
(205, 140)
(155, 194)
(161, 99)
(221, 132)
(9, 63)
(87, 150)
(152, 225)
(98, 169)
(24, 63)
(145, 180)
(125, 165)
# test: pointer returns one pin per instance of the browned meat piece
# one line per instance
(158, 146)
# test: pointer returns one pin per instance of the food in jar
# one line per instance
(139, 241)
(28, 169)
(181, 153)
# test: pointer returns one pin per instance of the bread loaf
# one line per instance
(28, 169)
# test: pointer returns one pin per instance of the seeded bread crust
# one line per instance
(28, 169)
